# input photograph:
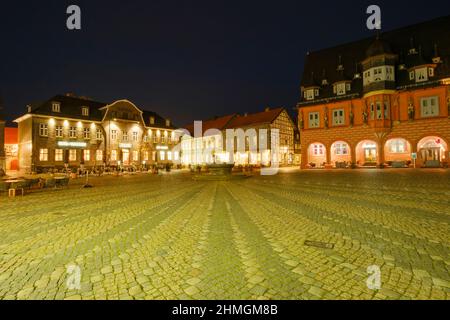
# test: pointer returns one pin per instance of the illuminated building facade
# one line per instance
(379, 102)
(70, 131)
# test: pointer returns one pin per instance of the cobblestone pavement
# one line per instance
(169, 237)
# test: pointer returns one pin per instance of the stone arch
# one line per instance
(366, 152)
(317, 154)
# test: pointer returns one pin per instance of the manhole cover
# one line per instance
(319, 244)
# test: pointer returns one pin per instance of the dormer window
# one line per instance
(421, 75)
(56, 107)
(152, 120)
(430, 72)
(167, 123)
(411, 75)
(348, 86)
(309, 94)
(316, 92)
(340, 88)
(85, 111)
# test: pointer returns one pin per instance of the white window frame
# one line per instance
(340, 89)
(99, 155)
(98, 134)
(85, 111)
(124, 136)
(56, 107)
(73, 155)
(87, 133)
(429, 107)
(338, 117)
(318, 149)
(59, 155)
(398, 146)
(59, 131)
(113, 134)
(72, 132)
(341, 149)
(135, 136)
(43, 155)
(43, 130)
(314, 119)
(421, 75)
(310, 94)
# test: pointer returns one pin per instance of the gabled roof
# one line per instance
(218, 123)
(253, 119)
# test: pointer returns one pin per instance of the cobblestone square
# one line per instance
(170, 237)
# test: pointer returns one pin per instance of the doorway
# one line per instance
(126, 157)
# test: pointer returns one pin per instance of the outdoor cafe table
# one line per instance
(58, 181)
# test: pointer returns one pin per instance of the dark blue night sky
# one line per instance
(184, 59)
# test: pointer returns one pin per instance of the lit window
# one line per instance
(43, 154)
(341, 148)
(59, 154)
(430, 72)
(176, 156)
(397, 146)
(113, 134)
(113, 155)
(135, 136)
(98, 134)
(72, 132)
(124, 136)
(99, 155)
(340, 89)
(86, 133)
(167, 123)
(310, 94)
(314, 119)
(87, 155)
(145, 155)
(421, 75)
(162, 155)
(154, 155)
(429, 106)
(72, 155)
(56, 107)
(318, 149)
(169, 155)
(85, 111)
(135, 156)
(338, 117)
(152, 120)
(59, 131)
(379, 111)
(43, 130)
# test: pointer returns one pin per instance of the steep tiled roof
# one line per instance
(426, 37)
(219, 123)
(160, 122)
(264, 117)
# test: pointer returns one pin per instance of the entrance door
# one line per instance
(126, 157)
(370, 154)
(431, 157)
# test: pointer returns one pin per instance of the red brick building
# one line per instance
(380, 101)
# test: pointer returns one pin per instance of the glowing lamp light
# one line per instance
(66, 123)
(51, 121)
(79, 124)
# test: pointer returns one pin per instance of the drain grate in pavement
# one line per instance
(319, 244)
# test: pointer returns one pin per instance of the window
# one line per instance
(340, 89)
(318, 149)
(152, 120)
(135, 156)
(113, 155)
(98, 134)
(348, 86)
(310, 94)
(59, 131)
(72, 132)
(316, 92)
(145, 155)
(86, 133)
(340, 148)
(59, 155)
(87, 155)
(411, 75)
(162, 155)
(135, 136)
(421, 75)
(154, 155)
(429, 106)
(155, 138)
(43, 154)
(163, 139)
(386, 109)
(85, 111)
(338, 117)
(314, 119)
(56, 107)
(124, 136)
(372, 111)
(113, 134)
(176, 156)
(397, 146)
(430, 72)
(43, 130)
(99, 155)
(167, 123)
(379, 112)
(169, 155)
(72, 155)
